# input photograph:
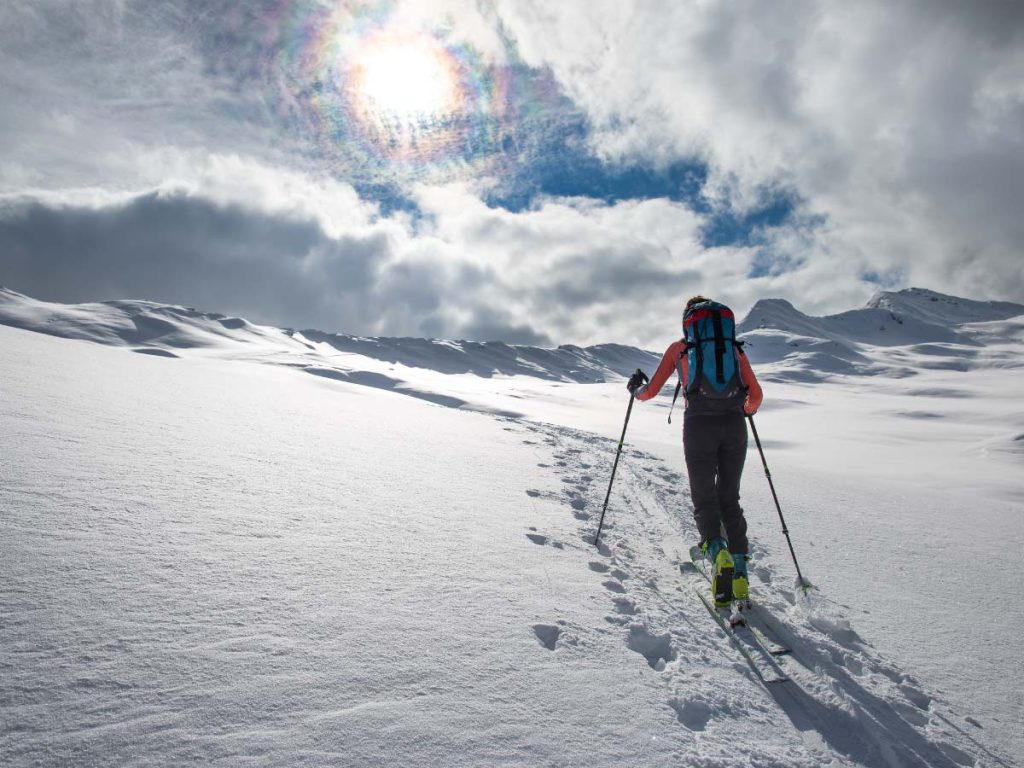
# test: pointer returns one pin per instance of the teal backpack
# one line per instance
(713, 383)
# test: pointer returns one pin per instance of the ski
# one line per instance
(760, 660)
(740, 614)
(773, 647)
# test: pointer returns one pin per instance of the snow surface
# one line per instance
(223, 543)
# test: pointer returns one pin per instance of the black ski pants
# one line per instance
(715, 447)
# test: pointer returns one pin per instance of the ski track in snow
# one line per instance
(846, 702)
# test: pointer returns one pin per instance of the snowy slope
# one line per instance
(208, 555)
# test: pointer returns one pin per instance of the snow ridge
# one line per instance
(167, 330)
(896, 334)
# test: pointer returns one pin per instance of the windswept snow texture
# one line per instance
(253, 546)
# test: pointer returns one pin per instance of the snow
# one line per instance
(249, 545)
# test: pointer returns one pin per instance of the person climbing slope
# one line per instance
(720, 389)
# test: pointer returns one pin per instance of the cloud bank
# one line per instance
(900, 127)
(569, 270)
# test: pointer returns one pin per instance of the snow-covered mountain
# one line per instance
(162, 329)
(896, 334)
(208, 555)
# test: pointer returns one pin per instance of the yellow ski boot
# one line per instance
(717, 552)
(740, 584)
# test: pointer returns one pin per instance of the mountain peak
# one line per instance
(940, 308)
(765, 304)
(775, 313)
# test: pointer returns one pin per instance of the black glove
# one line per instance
(637, 380)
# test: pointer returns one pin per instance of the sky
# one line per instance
(515, 170)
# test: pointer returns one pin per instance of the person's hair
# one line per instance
(695, 300)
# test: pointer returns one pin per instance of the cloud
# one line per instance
(585, 271)
(570, 270)
(178, 249)
(900, 127)
(93, 90)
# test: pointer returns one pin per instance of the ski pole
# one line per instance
(615, 466)
(803, 584)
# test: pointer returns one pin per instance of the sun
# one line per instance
(404, 77)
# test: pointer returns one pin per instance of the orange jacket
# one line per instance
(677, 352)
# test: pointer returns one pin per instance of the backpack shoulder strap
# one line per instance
(716, 320)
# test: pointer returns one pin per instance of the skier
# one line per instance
(720, 390)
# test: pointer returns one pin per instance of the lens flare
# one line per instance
(389, 100)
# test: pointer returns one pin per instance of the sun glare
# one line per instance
(404, 77)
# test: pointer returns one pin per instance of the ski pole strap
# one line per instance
(679, 384)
